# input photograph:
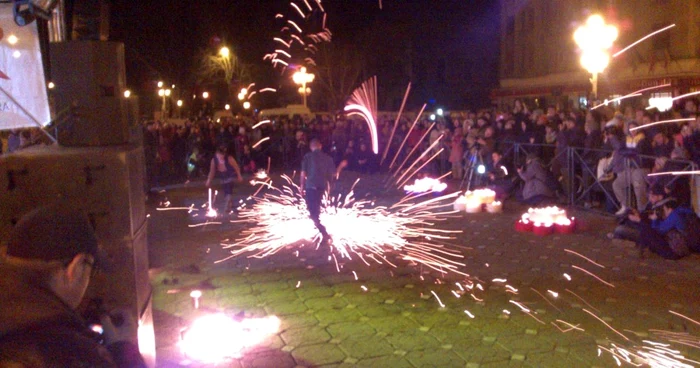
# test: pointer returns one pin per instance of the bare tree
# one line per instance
(338, 72)
(217, 68)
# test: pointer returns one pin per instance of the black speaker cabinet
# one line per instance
(90, 80)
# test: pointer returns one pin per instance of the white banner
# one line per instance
(21, 75)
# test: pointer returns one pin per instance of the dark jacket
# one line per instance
(38, 330)
(535, 178)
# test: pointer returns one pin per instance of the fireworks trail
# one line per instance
(260, 142)
(279, 218)
(396, 123)
(633, 94)
(413, 150)
(642, 39)
(305, 27)
(363, 102)
(661, 122)
(407, 134)
(593, 275)
(260, 123)
(584, 257)
(606, 324)
(606, 102)
(693, 172)
(686, 95)
(583, 300)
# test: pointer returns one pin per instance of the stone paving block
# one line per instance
(308, 292)
(275, 360)
(297, 320)
(435, 358)
(330, 316)
(345, 330)
(326, 303)
(523, 344)
(393, 324)
(305, 336)
(366, 347)
(384, 362)
(287, 308)
(319, 354)
(411, 340)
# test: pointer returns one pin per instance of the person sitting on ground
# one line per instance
(669, 233)
(536, 177)
(628, 229)
(50, 258)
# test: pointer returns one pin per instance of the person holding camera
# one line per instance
(671, 232)
(50, 258)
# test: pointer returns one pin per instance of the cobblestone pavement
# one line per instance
(390, 317)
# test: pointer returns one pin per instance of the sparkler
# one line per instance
(363, 102)
(279, 218)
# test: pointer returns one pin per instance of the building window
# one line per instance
(661, 41)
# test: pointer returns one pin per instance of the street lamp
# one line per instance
(246, 105)
(302, 78)
(205, 95)
(595, 39)
(227, 107)
(179, 103)
(164, 93)
(127, 93)
(160, 84)
(225, 52)
(51, 85)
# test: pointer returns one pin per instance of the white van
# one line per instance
(288, 111)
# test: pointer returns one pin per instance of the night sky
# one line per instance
(163, 38)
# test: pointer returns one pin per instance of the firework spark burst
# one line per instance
(363, 102)
(279, 219)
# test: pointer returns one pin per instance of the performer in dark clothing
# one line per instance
(317, 171)
(50, 259)
(224, 167)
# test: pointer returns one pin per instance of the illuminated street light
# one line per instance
(168, 92)
(205, 95)
(160, 84)
(12, 40)
(432, 117)
(127, 93)
(173, 86)
(224, 52)
(161, 92)
(440, 112)
(595, 39)
(246, 105)
(51, 85)
(227, 107)
(302, 78)
(179, 103)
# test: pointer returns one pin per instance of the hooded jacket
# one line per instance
(37, 329)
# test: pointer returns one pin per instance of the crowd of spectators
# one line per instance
(617, 145)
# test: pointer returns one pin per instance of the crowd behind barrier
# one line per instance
(600, 158)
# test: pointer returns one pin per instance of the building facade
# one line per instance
(539, 60)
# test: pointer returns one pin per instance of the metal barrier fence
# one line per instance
(577, 170)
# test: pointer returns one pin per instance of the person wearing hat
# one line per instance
(50, 258)
(537, 188)
(671, 232)
(628, 229)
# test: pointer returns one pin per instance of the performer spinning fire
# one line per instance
(317, 171)
(224, 166)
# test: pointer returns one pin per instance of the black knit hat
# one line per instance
(56, 232)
